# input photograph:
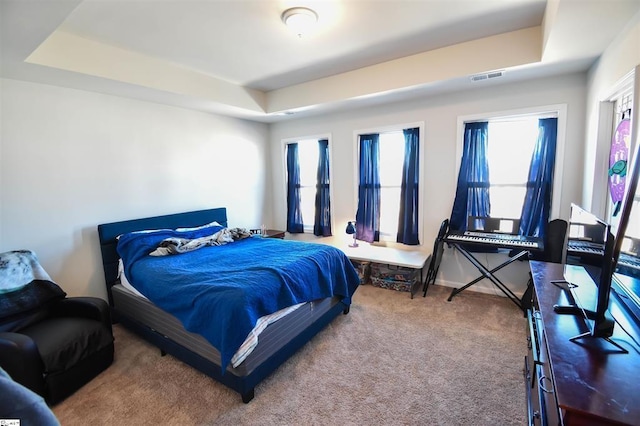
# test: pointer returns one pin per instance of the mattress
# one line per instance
(252, 339)
(275, 336)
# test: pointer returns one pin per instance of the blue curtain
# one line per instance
(537, 201)
(368, 215)
(472, 193)
(294, 213)
(408, 218)
(322, 220)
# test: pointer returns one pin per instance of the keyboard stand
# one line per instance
(489, 274)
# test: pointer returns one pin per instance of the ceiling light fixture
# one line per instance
(300, 19)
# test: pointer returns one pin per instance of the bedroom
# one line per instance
(74, 158)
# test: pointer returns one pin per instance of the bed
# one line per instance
(277, 342)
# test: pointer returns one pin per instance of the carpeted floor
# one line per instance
(391, 361)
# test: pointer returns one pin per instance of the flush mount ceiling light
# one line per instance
(300, 19)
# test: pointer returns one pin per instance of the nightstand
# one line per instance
(274, 233)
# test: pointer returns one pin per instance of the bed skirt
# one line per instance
(273, 338)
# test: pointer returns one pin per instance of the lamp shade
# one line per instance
(351, 228)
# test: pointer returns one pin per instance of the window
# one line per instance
(633, 226)
(308, 158)
(507, 170)
(388, 204)
(622, 105)
(391, 161)
(308, 186)
(510, 147)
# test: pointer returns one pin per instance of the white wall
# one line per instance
(620, 58)
(71, 160)
(440, 114)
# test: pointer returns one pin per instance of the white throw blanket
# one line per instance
(18, 268)
(183, 245)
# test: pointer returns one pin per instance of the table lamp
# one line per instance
(351, 230)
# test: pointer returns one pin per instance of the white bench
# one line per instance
(414, 257)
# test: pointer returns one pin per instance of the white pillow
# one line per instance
(208, 225)
(144, 231)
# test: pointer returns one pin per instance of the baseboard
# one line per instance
(478, 288)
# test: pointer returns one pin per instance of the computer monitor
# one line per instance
(592, 243)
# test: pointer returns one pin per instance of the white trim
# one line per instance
(632, 166)
(283, 168)
(388, 128)
(606, 117)
(421, 172)
(622, 87)
(602, 206)
(558, 178)
(515, 117)
(300, 138)
(545, 111)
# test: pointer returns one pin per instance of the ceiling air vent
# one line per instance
(486, 76)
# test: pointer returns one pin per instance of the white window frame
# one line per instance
(308, 228)
(627, 85)
(421, 182)
(608, 122)
(559, 110)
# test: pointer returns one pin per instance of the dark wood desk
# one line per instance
(586, 382)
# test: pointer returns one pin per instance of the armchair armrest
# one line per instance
(20, 358)
(87, 307)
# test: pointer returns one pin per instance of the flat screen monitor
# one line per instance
(590, 245)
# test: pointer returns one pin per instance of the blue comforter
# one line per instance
(220, 292)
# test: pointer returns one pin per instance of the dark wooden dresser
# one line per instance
(582, 382)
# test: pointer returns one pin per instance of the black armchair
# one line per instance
(51, 344)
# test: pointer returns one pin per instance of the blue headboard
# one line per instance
(108, 233)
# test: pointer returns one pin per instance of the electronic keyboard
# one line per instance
(629, 261)
(582, 248)
(585, 247)
(495, 239)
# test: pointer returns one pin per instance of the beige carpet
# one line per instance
(391, 361)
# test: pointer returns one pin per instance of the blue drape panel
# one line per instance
(322, 220)
(368, 214)
(294, 213)
(408, 217)
(537, 201)
(472, 193)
